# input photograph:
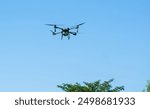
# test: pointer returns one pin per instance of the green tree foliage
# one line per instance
(148, 86)
(96, 86)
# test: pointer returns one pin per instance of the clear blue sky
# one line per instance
(114, 43)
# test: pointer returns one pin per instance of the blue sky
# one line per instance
(114, 43)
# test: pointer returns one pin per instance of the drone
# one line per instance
(65, 31)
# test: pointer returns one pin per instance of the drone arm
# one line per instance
(54, 33)
(73, 33)
(72, 28)
(58, 33)
(58, 28)
(55, 27)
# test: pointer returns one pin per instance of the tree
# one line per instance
(96, 86)
(148, 86)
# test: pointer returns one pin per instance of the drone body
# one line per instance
(65, 31)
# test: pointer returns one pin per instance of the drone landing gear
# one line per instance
(61, 37)
(68, 37)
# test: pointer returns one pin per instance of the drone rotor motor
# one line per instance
(53, 32)
(55, 28)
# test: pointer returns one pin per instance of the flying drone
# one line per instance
(65, 31)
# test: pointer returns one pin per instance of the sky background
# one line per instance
(113, 43)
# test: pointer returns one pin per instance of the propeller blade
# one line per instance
(50, 24)
(81, 24)
(77, 26)
(54, 24)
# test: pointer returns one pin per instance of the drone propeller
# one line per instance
(81, 24)
(77, 26)
(55, 26)
(50, 24)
